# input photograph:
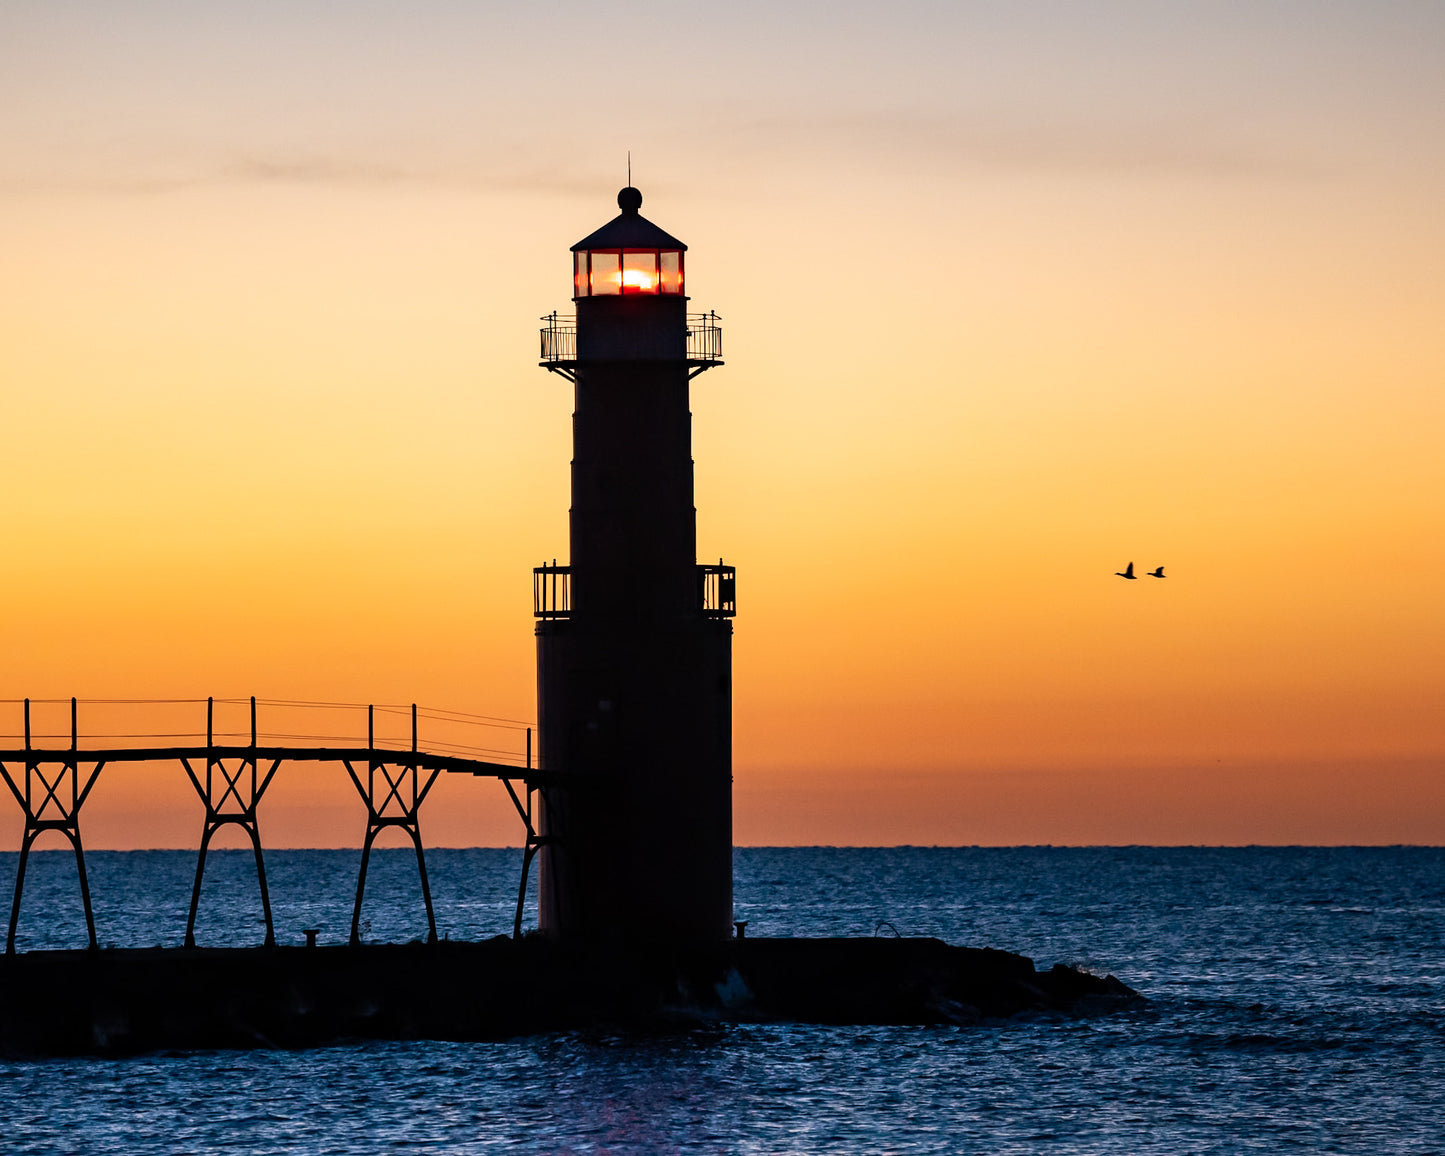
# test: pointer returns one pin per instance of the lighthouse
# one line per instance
(634, 636)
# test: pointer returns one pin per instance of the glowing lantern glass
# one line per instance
(629, 255)
(609, 272)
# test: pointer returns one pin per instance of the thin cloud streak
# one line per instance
(916, 138)
(300, 171)
(960, 140)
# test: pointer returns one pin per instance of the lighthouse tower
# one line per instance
(634, 637)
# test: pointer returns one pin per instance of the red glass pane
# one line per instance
(639, 272)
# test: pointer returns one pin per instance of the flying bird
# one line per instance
(1127, 572)
(1159, 573)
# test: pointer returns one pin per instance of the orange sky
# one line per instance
(1009, 299)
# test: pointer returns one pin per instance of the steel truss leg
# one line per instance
(534, 843)
(255, 831)
(213, 825)
(65, 819)
(31, 834)
(19, 887)
(431, 922)
(244, 816)
(84, 887)
(206, 834)
(401, 796)
(361, 885)
(528, 853)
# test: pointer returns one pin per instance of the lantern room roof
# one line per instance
(629, 229)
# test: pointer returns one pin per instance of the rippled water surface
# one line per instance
(1297, 1004)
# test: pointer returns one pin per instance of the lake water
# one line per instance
(1297, 1004)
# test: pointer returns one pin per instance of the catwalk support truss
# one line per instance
(231, 779)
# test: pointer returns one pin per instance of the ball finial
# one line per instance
(629, 200)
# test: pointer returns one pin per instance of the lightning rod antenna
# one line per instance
(629, 168)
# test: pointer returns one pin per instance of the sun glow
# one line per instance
(638, 279)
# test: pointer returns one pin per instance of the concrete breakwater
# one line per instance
(135, 1000)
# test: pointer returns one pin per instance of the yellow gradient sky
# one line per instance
(1012, 294)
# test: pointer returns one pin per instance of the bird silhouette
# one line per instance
(1159, 573)
(1127, 572)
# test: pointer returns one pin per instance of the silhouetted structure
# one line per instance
(230, 780)
(634, 655)
(634, 642)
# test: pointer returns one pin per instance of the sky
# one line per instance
(1012, 294)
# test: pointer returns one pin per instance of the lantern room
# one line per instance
(628, 256)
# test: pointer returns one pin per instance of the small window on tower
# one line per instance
(579, 274)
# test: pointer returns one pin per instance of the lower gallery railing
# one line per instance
(717, 588)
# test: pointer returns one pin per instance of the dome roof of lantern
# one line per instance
(629, 229)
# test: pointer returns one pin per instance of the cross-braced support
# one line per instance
(60, 793)
(230, 796)
(401, 788)
(535, 843)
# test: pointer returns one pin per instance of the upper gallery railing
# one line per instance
(704, 339)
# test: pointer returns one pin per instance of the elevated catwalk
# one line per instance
(51, 785)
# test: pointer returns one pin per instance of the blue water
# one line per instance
(1297, 1005)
